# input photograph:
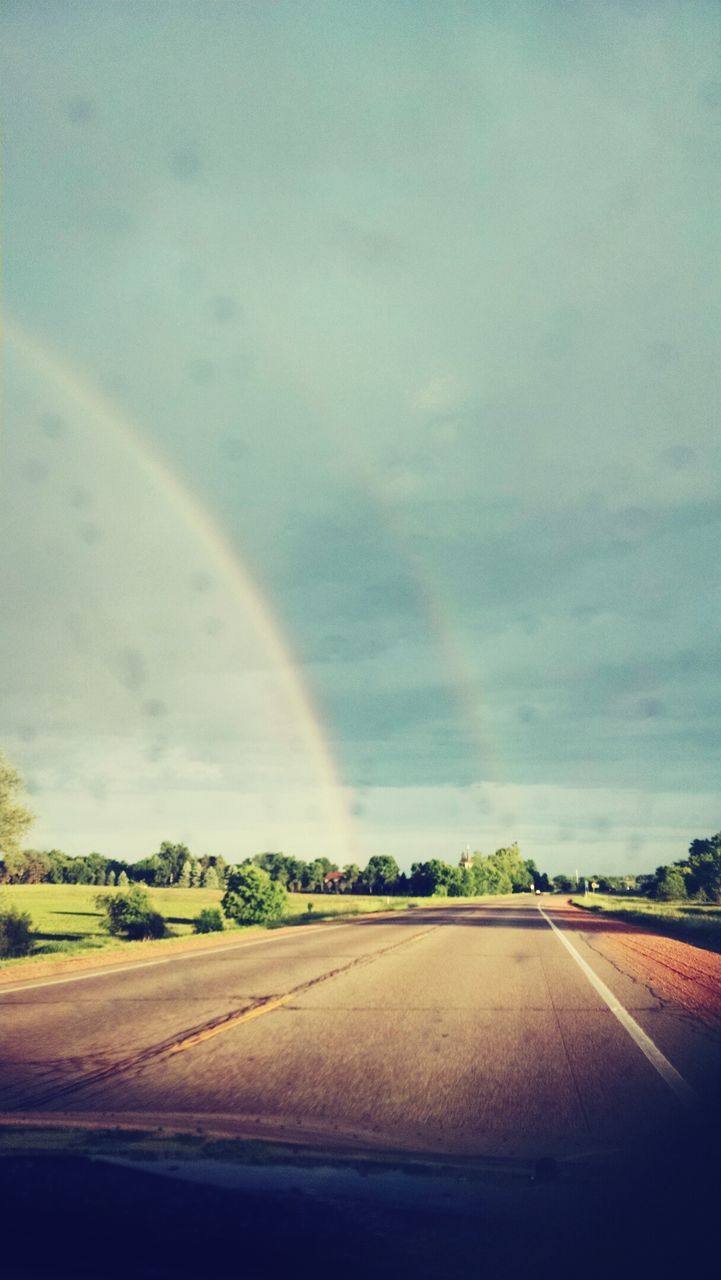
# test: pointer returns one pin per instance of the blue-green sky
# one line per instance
(416, 304)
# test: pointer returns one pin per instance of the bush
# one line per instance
(252, 897)
(15, 932)
(671, 885)
(130, 913)
(210, 920)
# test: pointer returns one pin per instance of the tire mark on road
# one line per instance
(192, 1036)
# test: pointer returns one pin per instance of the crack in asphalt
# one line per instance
(696, 1018)
(141, 1059)
(638, 982)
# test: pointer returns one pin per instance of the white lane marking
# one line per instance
(147, 964)
(667, 1072)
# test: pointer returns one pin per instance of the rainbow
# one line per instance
(340, 839)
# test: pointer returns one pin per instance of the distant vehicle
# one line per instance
(538, 891)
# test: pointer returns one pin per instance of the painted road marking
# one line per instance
(201, 1036)
(673, 1079)
(148, 964)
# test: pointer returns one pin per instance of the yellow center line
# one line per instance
(200, 1036)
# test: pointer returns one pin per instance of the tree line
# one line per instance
(174, 866)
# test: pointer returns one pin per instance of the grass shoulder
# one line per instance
(67, 921)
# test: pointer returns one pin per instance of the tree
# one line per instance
(426, 877)
(171, 860)
(351, 876)
(704, 861)
(147, 870)
(513, 869)
(97, 867)
(381, 874)
(185, 874)
(110, 878)
(670, 883)
(276, 864)
(314, 874)
(209, 879)
(123, 880)
(130, 912)
(26, 866)
(60, 864)
(15, 817)
(251, 897)
(563, 884)
(489, 875)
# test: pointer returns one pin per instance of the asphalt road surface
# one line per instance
(464, 1031)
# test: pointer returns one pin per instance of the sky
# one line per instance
(360, 458)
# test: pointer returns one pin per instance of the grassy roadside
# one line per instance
(66, 920)
(699, 923)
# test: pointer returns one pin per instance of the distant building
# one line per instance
(332, 880)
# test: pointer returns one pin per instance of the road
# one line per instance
(466, 1031)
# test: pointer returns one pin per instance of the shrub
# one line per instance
(671, 884)
(15, 932)
(252, 897)
(130, 913)
(210, 920)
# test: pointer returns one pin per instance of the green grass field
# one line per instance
(66, 919)
(697, 922)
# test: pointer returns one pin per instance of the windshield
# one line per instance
(359, 497)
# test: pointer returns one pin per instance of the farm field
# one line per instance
(66, 919)
(697, 922)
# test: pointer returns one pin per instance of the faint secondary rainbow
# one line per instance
(46, 361)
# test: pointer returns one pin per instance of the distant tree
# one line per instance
(513, 869)
(147, 870)
(351, 876)
(209, 878)
(563, 884)
(171, 860)
(97, 867)
(110, 878)
(251, 897)
(314, 874)
(26, 866)
(670, 883)
(296, 875)
(490, 875)
(123, 880)
(183, 880)
(59, 866)
(276, 864)
(196, 874)
(80, 872)
(427, 876)
(704, 861)
(381, 874)
(464, 883)
(15, 817)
